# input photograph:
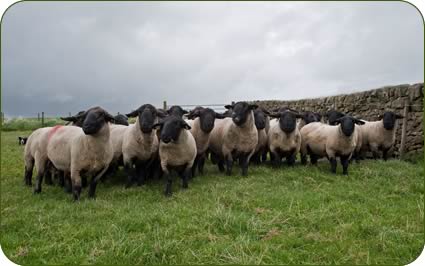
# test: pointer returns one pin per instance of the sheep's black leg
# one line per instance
(39, 180)
(229, 165)
(48, 177)
(255, 158)
(128, 168)
(303, 159)
(264, 156)
(375, 155)
(84, 182)
(61, 180)
(243, 161)
(276, 159)
(92, 188)
(290, 159)
(28, 176)
(220, 165)
(194, 166)
(201, 164)
(385, 154)
(333, 164)
(313, 159)
(68, 183)
(185, 175)
(141, 169)
(344, 163)
(169, 181)
(76, 191)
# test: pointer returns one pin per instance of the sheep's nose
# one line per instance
(166, 140)
(237, 119)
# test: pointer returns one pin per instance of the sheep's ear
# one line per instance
(275, 115)
(193, 114)
(276, 110)
(359, 122)
(338, 121)
(161, 113)
(185, 125)
(297, 115)
(109, 117)
(266, 112)
(69, 118)
(185, 111)
(397, 116)
(228, 106)
(219, 116)
(133, 114)
(157, 125)
(253, 106)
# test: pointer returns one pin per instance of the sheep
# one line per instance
(321, 140)
(262, 120)
(75, 150)
(177, 111)
(22, 140)
(202, 124)
(121, 119)
(177, 149)
(284, 138)
(379, 135)
(332, 116)
(234, 138)
(35, 154)
(136, 144)
(309, 117)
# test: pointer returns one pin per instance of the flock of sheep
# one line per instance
(94, 143)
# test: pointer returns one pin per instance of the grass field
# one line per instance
(274, 216)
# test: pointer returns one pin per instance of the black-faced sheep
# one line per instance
(136, 144)
(332, 117)
(284, 138)
(177, 149)
(234, 138)
(202, 124)
(379, 135)
(262, 120)
(177, 111)
(76, 150)
(22, 140)
(320, 140)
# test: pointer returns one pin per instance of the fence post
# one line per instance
(402, 148)
(38, 116)
(165, 105)
(42, 119)
(2, 118)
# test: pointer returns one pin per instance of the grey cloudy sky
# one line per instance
(63, 57)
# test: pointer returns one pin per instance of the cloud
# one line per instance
(63, 57)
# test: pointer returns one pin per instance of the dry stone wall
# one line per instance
(369, 105)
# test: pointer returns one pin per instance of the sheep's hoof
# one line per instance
(168, 194)
(37, 191)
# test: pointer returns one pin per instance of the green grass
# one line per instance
(274, 216)
(20, 124)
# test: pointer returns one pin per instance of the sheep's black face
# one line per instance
(147, 116)
(170, 128)
(333, 116)
(348, 124)
(389, 119)
(288, 121)
(94, 120)
(121, 120)
(241, 111)
(22, 140)
(176, 111)
(310, 117)
(207, 119)
(260, 119)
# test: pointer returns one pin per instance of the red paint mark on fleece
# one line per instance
(53, 131)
